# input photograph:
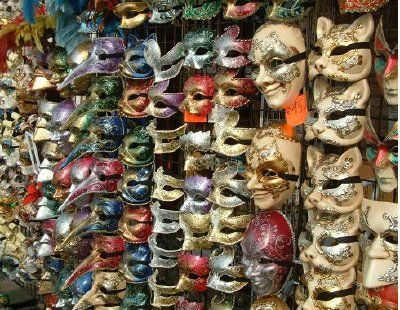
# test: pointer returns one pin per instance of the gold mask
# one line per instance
(127, 9)
(194, 225)
(163, 295)
(160, 181)
(172, 136)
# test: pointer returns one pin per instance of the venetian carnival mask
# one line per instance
(205, 11)
(164, 11)
(196, 228)
(103, 178)
(342, 52)
(328, 291)
(288, 10)
(352, 6)
(137, 296)
(165, 221)
(386, 66)
(135, 226)
(164, 258)
(193, 272)
(334, 246)
(379, 221)
(384, 298)
(8, 92)
(198, 48)
(135, 263)
(162, 104)
(266, 263)
(172, 136)
(135, 98)
(232, 10)
(163, 295)
(382, 156)
(136, 185)
(137, 148)
(231, 91)
(278, 53)
(197, 189)
(184, 304)
(105, 57)
(173, 59)
(226, 132)
(231, 52)
(224, 275)
(199, 92)
(341, 113)
(269, 302)
(132, 13)
(272, 170)
(161, 182)
(58, 64)
(135, 66)
(336, 185)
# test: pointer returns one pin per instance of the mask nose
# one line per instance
(253, 184)
(377, 251)
(318, 128)
(320, 64)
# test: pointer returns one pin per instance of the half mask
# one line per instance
(137, 296)
(164, 11)
(267, 263)
(105, 56)
(137, 148)
(225, 132)
(193, 272)
(164, 258)
(336, 184)
(184, 304)
(342, 52)
(136, 185)
(171, 136)
(134, 65)
(162, 104)
(272, 170)
(341, 113)
(231, 52)
(278, 54)
(199, 92)
(334, 246)
(382, 156)
(332, 291)
(161, 181)
(205, 11)
(386, 66)
(163, 295)
(269, 302)
(132, 13)
(229, 187)
(234, 11)
(353, 6)
(135, 99)
(173, 59)
(195, 228)
(288, 10)
(165, 221)
(231, 91)
(224, 275)
(198, 48)
(379, 221)
(135, 263)
(135, 226)
(197, 189)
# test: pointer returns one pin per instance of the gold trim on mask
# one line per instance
(159, 292)
(192, 224)
(158, 136)
(122, 10)
(160, 181)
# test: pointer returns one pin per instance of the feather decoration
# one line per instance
(28, 8)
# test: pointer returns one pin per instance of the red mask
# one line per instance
(361, 6)
(193, 271)
(33, 194)
(135, 226)
(199, 92)
(386, 296)
(134, 99)
(62, 177)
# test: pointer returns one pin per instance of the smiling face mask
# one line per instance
(278, 53)
(272, 170)
(342, 52)
(336, 185)
(380, 253)
(386, 66)
(382, 156)
(341, 113)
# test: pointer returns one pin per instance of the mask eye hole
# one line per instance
(269, 173)
(390, 237)
(201, 51)
(233, 54)
(199, 96)
(275, 63)
(231, 92)
(133, 97)
(335, 115)
(394, 150)
(329, 242)
(330, 184)
(135, 58)
(339, 50)
(317, 50)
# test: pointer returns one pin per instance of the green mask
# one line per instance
(207, 11)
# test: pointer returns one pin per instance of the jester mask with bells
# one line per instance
(341, 113)
(327, 291)
(335, 181)
(278, 54)
(273, 165)
(386, 66)
(379, 223)
(382, 156)
(342, 52)
(334, 243)
(266, 263)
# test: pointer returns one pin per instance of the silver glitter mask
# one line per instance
(274, 51)
(165, 221)
(199, 48)
(164, 11)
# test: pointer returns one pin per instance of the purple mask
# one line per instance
(106, 55)
(170, 102)
(62, 112)
(197, 189)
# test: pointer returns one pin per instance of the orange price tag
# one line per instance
(297, 114)
(194, 118)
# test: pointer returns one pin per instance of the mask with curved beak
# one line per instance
(105, 57)
(107, 255)
(135, 66)
(106, 134)
(135, 263)
(103, 178)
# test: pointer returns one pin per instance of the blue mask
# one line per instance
(137, 296)
(135, 263)
(136, 185)
(82, 285)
